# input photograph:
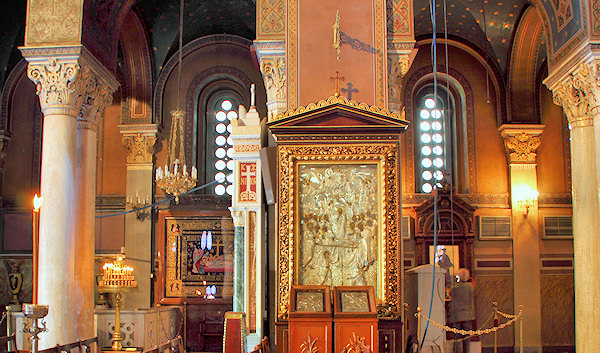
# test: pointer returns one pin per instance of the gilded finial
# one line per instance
(336, 34)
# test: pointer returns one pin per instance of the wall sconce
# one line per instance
(138, 204)
(525, 197)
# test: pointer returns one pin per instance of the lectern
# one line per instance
(355, 318)
(310, 321)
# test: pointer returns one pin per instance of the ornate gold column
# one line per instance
(139, 140)
(65, 78)
(99, 95)
(521, 143)
(248, 214)
(576, 92)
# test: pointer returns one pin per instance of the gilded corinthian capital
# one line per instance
(273, 70)
(59, 84)
(521, 142)
(139, 140)
(97, 97)
(579, 95)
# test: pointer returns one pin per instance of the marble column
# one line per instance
(59, 84)
(521, 142)
(577, 92)
(98, 96)
(239, 270)
(247, 208)
(67, 79)
(139, 140)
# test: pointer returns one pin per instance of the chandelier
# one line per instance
(177, 178)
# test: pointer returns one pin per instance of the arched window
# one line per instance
(221, 109)
(434, 135)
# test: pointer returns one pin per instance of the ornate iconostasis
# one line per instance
(197, 254)
(339, 198)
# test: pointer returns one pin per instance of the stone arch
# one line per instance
(522, 69)
(136, 87)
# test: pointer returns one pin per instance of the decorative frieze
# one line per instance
(51, 22)
(521, 142)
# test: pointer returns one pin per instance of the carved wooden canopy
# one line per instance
(337, 116)
(455, 226)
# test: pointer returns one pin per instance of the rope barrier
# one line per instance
(475, 332)
(467, 337)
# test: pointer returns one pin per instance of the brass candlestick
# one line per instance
(117, 336)
(117, 278)
(34, 312)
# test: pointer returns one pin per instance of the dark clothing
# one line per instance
(462, 346)
(461, 313)
(461, 306)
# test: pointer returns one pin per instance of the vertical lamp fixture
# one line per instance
(178, 179)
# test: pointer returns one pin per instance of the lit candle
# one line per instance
(37, 203)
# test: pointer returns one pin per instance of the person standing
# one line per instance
(461, 310)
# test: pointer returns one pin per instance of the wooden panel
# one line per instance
(390, 336)
(282, 337)
(356, 333)
(310, 335)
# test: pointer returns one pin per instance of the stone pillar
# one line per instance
(98, 96)
(247, 207)
(65, 79)
(521, 142)
(139, 140)
(577, 92)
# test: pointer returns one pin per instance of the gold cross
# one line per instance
(337, 79)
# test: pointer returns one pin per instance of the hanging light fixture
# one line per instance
(178, 179)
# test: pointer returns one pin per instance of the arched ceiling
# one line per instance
(204, 17)
(465, 22)
(201, 18)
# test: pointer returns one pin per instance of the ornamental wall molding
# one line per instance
(274, 75)
(521, 142)
(139, 142)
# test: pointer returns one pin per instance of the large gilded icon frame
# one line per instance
(348, 159)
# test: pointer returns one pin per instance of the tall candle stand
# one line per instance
(34, 312)
(117, 278)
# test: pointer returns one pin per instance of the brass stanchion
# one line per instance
(419, 329)
(521, 307)
(405, 325)
(495, 304)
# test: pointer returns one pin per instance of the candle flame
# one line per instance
(37, 202)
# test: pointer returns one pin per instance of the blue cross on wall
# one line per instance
(349, 90)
